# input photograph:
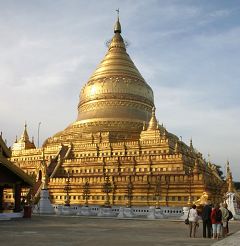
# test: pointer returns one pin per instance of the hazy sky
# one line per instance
(187, 51)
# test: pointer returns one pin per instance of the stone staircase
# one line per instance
(52, 168)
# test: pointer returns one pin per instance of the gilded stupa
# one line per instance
(117, 148)
(116, 99)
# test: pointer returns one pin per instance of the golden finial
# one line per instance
(16, 139)
(117, 27)
(191, 144)
(228, 171)
(24, 136)
(229, 178)
(153, 121)
(228, 166)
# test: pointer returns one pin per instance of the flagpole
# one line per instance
(38, 132)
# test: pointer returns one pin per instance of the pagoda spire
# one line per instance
(153, 123)
(24, 137)
(23, 142)
(117, 40)
(117, 27)
(228, 167)
(229, 178)
(191, 144)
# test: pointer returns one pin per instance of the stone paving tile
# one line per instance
(73, 231)
(234, 240)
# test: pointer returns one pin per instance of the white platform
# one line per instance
(68, 210)
(105, 212)
(126, 213)
(155, 213)
(85, 211)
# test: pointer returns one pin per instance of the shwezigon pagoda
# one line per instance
(116, 153)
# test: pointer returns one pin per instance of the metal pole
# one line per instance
(38, 132)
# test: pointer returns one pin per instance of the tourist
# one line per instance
(206, 219)
(225, 215)
(193, 221)
(216, 220)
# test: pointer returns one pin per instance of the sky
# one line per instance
(187, 51)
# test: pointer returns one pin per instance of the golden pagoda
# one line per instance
(117, 148)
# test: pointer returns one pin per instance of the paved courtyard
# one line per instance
(71, 231)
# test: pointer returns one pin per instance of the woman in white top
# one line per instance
(193, 220)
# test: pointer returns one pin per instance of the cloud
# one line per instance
(213, 129)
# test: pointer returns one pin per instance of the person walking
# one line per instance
(193, 221)
(206, 219)
(216, 220)
(230, 216)
(225, 215)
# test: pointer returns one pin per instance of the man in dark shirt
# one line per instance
(206, 218)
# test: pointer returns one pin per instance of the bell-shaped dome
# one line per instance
(116, 91)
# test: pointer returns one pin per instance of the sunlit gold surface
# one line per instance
(202, 200)
(23, 142)
(118, 136)
(116, 90)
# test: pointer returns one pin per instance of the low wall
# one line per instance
(141, 212)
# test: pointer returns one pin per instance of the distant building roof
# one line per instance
(23, 143)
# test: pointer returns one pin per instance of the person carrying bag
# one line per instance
(186, 221)
(193, 220)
